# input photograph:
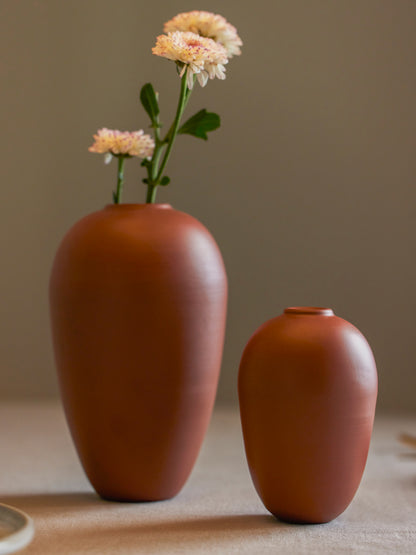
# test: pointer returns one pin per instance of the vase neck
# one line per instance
(309, 310)
(138, 206)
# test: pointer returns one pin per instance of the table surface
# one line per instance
(218, 510)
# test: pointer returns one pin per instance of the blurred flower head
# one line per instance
(113, 142)
(207, 24)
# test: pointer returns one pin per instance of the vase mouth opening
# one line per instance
(311, 310)
(141, 206)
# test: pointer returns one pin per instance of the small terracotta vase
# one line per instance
(307, 389)
(138, 305)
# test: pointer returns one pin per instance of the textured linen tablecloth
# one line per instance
(218, 510)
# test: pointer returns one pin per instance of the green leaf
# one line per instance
(199, 124)
(165, 180)
(149, 101)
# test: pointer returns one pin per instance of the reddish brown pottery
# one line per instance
(307, 390)
(138, 305)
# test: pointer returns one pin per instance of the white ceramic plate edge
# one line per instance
(22, 529)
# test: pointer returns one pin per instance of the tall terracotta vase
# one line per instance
(138, 305)
(307, 389)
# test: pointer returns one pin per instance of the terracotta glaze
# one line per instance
(307, 389)
(138, 304)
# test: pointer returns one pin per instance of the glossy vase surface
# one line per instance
(307, 390)
(138, 305)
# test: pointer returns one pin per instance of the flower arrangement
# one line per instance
(201, 44)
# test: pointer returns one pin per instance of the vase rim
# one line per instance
(141, 206)
(311, 310)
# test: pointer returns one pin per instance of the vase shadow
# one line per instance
(84, 523)
(45, 502)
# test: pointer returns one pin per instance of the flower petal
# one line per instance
(210, 25)
(113, 142)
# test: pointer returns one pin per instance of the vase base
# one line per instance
(133, 498)
(303, 521)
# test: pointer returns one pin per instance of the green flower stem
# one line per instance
(183, 99)
(153, 169)
(155, 172)
(158, 150)
(151, 194)
(120, 179)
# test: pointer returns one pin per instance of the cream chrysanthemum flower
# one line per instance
(210, 25)
(114, 142)
(198, 55)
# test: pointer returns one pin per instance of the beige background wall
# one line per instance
(309, 186)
